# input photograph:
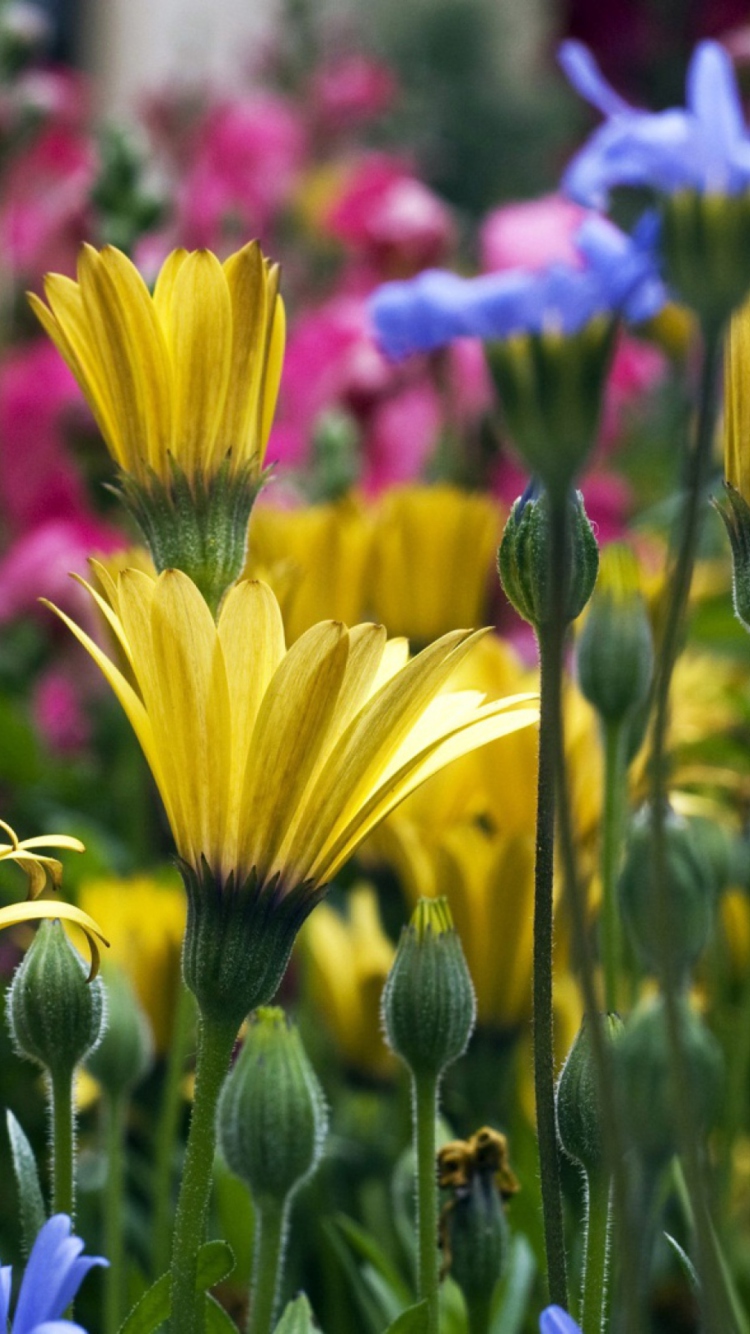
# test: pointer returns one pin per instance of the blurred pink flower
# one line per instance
(37, 479)
(403, 431)
(469, 382)
(59, 713)
(40, 562)
(530, 234)
(395, 221)
(246, 159)
(351, 90)
(44, 203)
(637, 369)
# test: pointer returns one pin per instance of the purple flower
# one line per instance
(556, 1321)
(54, 1273)
(618, 275)
(704, 146)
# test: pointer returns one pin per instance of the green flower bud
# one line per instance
(579, 1115)
(705, 241)
(645, 1083)
(523, 558)
(551, 387)
(735, 512)
(272, 1116)
(691, 888)
(615, 650)
(336, 458)
(56, 1016)
(429, 1005)
(474, 1230)
(126, 1050)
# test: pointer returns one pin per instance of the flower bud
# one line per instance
(705, 241)
(272, 1116)
(551, 387)
(474, 1231)
(579, 1114)
(56, 1016)
(735, 512)
(429, 1005)
(523, 558)
(615, 649)
(690, 888)
(126, 1050)
(642, 1064)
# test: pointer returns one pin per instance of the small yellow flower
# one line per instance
(186, 375)
(40, 870)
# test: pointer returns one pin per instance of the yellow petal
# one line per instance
(200, 340)
(68, 326)
(292, 724)
(272, 377)
(66, 841)
(32, 912)
(164, 288)
(737, 403)
(246, 278)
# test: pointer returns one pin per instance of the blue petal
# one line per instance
(6, 1276)
(582, 71)
(418, 315)
(57, 1327)
(556, 1321)
(713, 98)
(659, 152)
(53, 1275)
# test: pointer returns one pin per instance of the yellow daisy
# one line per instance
(274, 764)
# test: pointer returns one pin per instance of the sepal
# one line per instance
(705, 243)
(523, 558)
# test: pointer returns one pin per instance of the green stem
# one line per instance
(543, 1028)
(428, 1274)
(270, 1230)
(63, 1144)
(215, 1043)
(615, 771)
(717, 1315)
(596, 1254)
(114, 1210)
(167, 1128)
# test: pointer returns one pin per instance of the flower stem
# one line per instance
(428, 1277)
(166, 1130)
(596, 1254)
(63, 1144)
(114, 1209)
(615, 771)
(270, 1229)
(544, 1053)
(716, 1313)
(215, 1043)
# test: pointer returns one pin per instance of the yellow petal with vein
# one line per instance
(68, 326)
(200, 339)
(16, 913)
(164, 288)
(246, 279)
(273, 368)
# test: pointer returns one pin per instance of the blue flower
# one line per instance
(54, 1273)
(617, 274)
(704, 146)
(556, 1321)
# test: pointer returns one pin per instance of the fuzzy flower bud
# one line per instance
(429, 1005)
(474, 1229)
(577, 1104)
(126, 1050)
(523, 558)
(272, 1115)
(615, 648)
(56, 1016)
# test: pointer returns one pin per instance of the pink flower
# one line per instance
(351, 90)
(37, 479)
(531, 234)
(40, 562)
(403, 432)
(637, 369)
(390, 217)
(59, 713)
(44, 203)
(247, 157)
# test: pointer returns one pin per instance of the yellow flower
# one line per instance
(186, 375)
(146, 922)
(737, 403)
(273, 765)
(315, 560)
(346, 961)
(432, 558)
(39, 870)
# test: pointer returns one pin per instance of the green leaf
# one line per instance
(297, 1318)
(685, 1261)
(218, 1321)
(370, 1309)
(514, 1290)
(414, 1320)
(367, 1248)
(33, 1215)
(215, 1262)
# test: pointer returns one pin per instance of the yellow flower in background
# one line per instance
(346, 961)
(41, 869)
(280, 762)
(145, 919)
(315, 560)
(737, 403)
(186, 375)
(432, 558)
